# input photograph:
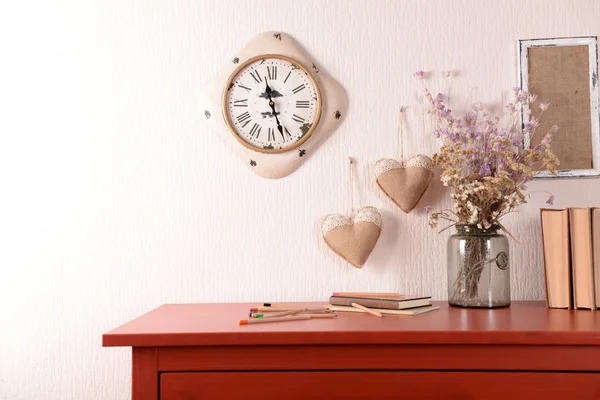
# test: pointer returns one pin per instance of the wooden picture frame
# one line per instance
(564, 71)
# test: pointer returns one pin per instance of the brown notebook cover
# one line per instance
(409, 302)
(557, 259)
(596, 251)
(580, 228)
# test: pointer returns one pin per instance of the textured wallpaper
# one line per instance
(117, 199)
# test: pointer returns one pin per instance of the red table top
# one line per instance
(525, 322)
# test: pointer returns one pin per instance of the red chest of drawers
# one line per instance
(198, 351)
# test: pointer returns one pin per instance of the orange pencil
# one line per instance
(365, 309)
(280, 319)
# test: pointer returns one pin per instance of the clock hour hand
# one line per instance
(272, 104)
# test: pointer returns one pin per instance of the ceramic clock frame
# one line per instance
(244, 66)
(333, 104)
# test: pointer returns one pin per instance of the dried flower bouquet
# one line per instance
(486, 165)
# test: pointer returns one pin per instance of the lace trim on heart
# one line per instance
(385, 165)
(420, 161)
(368, 214)
(333, 221)
(388, 164)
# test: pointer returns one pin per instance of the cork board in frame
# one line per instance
(564, 71)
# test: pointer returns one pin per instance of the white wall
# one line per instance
(117, 199)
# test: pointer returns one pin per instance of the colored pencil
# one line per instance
(281, 309)
(317, 316)
(284, 308)
(282, 314)
(280, 319)
(267, 314)
(365, 309)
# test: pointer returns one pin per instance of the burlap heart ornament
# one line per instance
(404, 185)
(353, 239)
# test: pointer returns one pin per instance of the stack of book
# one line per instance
(383, 303)
(571, 240)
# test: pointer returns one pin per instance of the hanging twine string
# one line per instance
(401, 134)
(351, 168)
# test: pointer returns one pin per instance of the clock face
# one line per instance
(272, 104)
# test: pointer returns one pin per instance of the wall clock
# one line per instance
(272, 104)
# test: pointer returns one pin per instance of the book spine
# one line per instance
(545, 257)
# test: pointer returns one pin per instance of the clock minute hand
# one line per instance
(279, 127)
(272, 104)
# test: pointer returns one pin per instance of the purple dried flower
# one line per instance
(428, 210)
(550, 200)
(419, 75)
(547, 140)
(485, 170)
(544, 106)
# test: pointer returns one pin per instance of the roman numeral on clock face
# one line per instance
(299, 89)
(302, 103)
(298, 119)
(244, 87)
(244, 117)
(240, 103)
(272, 72)
(255, 131)
(256, 76)
(286, 78)
(271, 134)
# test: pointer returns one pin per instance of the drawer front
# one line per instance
(378, 385)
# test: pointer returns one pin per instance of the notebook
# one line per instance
(395, 304)
(410, 311)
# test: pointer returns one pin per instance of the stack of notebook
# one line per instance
(384, 303)
(571, 239)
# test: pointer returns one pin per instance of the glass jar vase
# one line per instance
(478, 267)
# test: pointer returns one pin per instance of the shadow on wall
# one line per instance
(434, 195)
(391, 234)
